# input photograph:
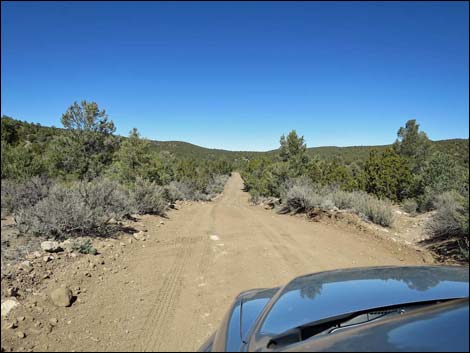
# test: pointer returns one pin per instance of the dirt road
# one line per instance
(175, 290)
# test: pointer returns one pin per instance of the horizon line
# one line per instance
(229, 150)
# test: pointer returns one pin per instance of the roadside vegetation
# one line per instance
(415, 173)
(83, 179)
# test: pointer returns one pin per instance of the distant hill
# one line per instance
(35, 133)
(187, 149)
(457, 148)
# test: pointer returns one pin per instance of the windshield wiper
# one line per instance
(333, 324)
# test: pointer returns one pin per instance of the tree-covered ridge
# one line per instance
(16, 130)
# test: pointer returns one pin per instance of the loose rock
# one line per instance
(11, 325)
(61, 297)
(26, 266)
(8, 305)
(67, 245)
(50, 246)
(12, 292)
(139, 236)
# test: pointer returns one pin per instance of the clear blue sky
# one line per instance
(237, 75)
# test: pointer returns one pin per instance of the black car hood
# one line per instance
(323, 295)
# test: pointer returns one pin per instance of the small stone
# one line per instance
(139, 236)
(161, 222)
(12, 292)
(11, 325)
(21, 318)
(48, 258)
(61, 297)
(53, 321)
(20, 334)
(129, 240)
(26, 265)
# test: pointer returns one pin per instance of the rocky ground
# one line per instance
(41, 279)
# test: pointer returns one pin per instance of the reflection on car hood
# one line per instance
(437, 328)
(328, 294)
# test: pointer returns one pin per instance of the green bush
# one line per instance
(148, 197)
(298, 195)
(20, 195)
(388, 175)
(85, 247)
(449, 226)
(450, 217)
(375, 210)
(410, 206)
(216, 185)
(84, 208)
(366, 205)
(343, 200)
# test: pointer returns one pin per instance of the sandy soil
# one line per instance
(170, 292)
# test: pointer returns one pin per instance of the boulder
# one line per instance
(51, 246)
(8, 305)
(61, 296)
